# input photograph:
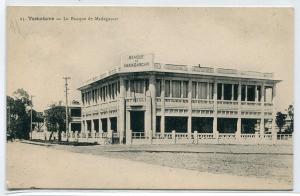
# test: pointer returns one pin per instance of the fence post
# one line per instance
(196, 137)
(174, 136)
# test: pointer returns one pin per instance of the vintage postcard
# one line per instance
(149, 98)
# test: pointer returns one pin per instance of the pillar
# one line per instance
(82, 126)
(148, 115)
(100, 125)
(121, 111)
(256, 94)
(128, 129)
(92, 125)
(189, 123)
(262, 119)
(153, 101)
(162, 110)
(215, 113)
(232, 92)
(239, 121)
(246, 94)
(238, 129)
(108, 124)
(222, 91)
(274, 131)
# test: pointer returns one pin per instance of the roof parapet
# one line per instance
(186, 69)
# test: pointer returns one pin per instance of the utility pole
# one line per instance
(66, 91)
(31, 116)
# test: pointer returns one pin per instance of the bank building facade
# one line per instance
(143, 101)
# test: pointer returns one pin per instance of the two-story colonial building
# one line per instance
(142, 99)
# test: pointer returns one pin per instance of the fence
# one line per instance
(111, 137)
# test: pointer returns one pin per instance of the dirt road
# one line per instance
(31, 166)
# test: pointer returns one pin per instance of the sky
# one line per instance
(41, 53)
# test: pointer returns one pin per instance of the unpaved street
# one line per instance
(32, 166)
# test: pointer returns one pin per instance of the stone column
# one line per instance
(100, 125)
(239, 121)
(246, 94)
(121, 111)
(222, 91)
(108, 124)
(232, 92)
(274, 131)
(162, 110)
(189, 123)
(82, 126)
(207, 91)
(148, 115)
(262, 119)
(92, 125)
(128, 129)
(152, 90)
(256, 94)
(215, 113)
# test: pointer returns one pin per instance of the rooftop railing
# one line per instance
(186, 68)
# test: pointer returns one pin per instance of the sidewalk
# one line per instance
(32, 166)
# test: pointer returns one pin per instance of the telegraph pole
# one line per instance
(31, 104)
(66, 91)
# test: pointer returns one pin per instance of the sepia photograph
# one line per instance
(149, 98)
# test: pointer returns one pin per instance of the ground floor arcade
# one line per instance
(136, 126)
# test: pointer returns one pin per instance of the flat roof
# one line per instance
(183, 69)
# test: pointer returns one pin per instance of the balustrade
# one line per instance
(163, 136)
(226, 136)
(284, 136)
(203, 136)
(181, 136)
(138, 135)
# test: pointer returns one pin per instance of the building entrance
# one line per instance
(137, 121)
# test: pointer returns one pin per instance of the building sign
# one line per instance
(139, 60)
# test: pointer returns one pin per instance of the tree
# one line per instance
(18, 118)
(280, 120)
(291, 116)
(56, 120)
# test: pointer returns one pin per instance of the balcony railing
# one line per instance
(284, 136)
(181, 136)
(138, 135)
(163, 136)
(226, 136)
(176, 100)
(227, 71)
(203, 136)
(247, 136)
(202, 101)
(203, 69)
(136, 100)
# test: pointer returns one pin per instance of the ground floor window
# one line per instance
(227, 125)
(202, 125)
(75, 127)
(179, 124)
(248, 125)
